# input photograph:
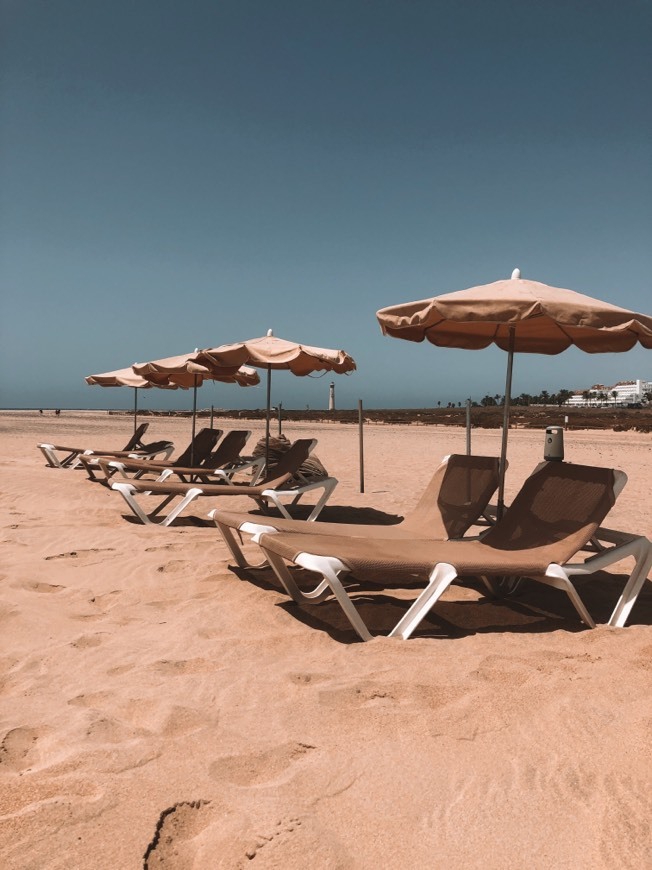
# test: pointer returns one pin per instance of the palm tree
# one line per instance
(614, 393)
(563, 396)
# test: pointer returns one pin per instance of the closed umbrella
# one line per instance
(519, 316)
(270, 352)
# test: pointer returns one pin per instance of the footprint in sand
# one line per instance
(203, 833)
(80, 554)
(307, 679)
(91, 699)
(259, 767)
(174, 668)
(17, 746)
(287, 843)
(35, 586)
(119, 670)
(371, 694)
(86, 641)
(166, 547)
(184, 720)
(176, 826)
(173, 566)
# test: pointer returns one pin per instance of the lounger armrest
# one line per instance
(611, 536)
(227, 472)
(328, 484)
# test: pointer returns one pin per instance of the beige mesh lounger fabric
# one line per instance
(103, 468)
(282, 482)
(222, 463)
(555, 515)
(72, 454)
(457, 495)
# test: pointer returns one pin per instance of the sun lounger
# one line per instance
(555, 515)
(453, 501)
(220, 465)
(70, 459)
(103, 467)
(283, 481)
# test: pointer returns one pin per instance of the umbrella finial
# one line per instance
(270, 332)
(516, 274)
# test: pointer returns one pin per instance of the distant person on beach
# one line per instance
(40, 410)
(58, 411)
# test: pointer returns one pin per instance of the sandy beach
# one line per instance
(161, 710)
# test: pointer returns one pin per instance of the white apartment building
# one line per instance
(622, 393)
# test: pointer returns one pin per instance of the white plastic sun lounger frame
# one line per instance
(93, 464)
(222, 475)
(274, 496)
(72, 460)
(443, 574)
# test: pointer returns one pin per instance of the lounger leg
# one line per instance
(440, 579)
(557, 577)
(329, 486)
(127, 492)
(330, 568)
(234, 546)
(50, 456)
(634, 585)
(76, 461)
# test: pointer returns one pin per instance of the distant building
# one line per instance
(622, 393)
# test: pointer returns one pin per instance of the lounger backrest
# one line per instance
(556, 512)
(135, 439)
(290, 462)
(198, 449)
(456, 496)
(228, 449)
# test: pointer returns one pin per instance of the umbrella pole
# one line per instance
(468, 427)
(135, 408)
(267, 417)
(194, 417)
(506, 407)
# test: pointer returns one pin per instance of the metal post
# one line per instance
(507, 401)
(194, 415)
(212, 412)
(361, 440)
(280, 417)
(468, 427)
(135, 408)
(267, 416)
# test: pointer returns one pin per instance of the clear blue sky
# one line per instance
(180, 175)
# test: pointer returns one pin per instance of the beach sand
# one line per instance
(159, 710)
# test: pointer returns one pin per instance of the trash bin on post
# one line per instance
(554, 444)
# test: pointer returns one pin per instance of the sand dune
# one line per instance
(161, 710)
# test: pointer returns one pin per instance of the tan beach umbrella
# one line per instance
(185, 372)
(126, 378)
(519, 316)
(269, 352)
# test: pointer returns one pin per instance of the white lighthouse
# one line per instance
(331, 397)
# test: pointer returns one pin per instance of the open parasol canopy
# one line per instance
(184, 371)
(270, 352)
(127, 378)
(519, 316)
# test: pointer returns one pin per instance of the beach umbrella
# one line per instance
(184, 371)
(126, 378)
(519, 316)
(270, 352)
